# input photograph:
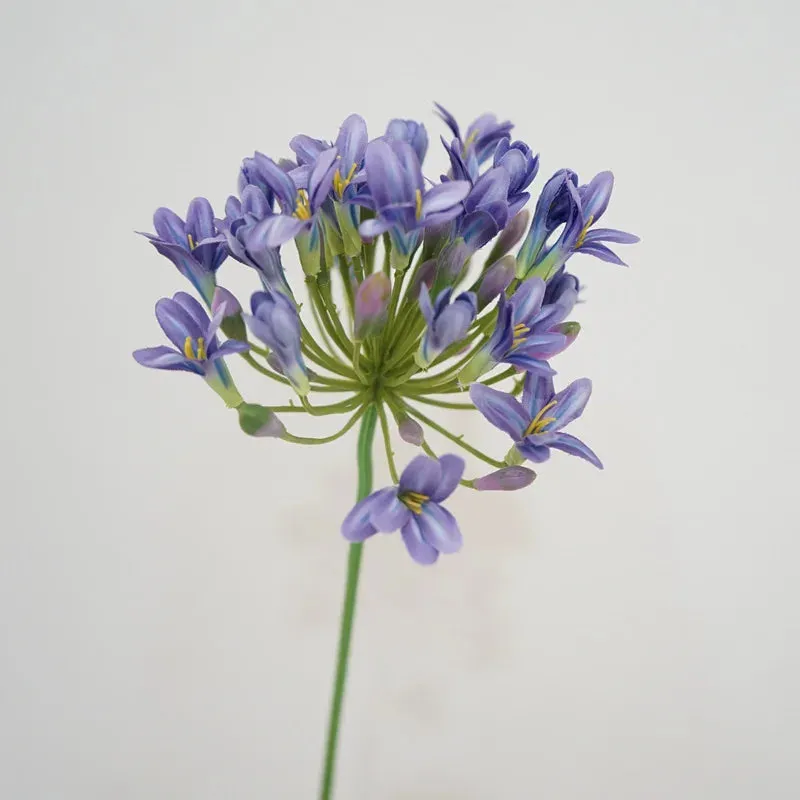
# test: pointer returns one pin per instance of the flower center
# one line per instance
(340, 183)
(414, 501)
(582, 235)
(302, 208)
(521, 330)
(540, 421)
(189, 349)
(418, 198)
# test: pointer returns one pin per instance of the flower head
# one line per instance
(414, 507)
(193, 245)
(536, 423)
(195, 345)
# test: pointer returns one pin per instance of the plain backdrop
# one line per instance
(170, 589)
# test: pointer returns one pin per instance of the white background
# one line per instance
(169, 588)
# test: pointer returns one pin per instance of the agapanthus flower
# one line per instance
(275, 321)
(402, 204)
(445, 323)
(536, 424)
(486, 208)
(242, 217)
(522, 165)
(192, 246)
(527, 333)
(196, 348)
(414, 507)
(407, 130)
(481, 136)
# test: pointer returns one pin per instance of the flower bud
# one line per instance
(256, 420)
(496, 280)
(570, 330)
(232, 323)
(507, 479)
(509, 236)
(411, 431)
(452, 261)
(371, 305)
(424, 274)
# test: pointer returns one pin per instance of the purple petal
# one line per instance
(230, 347)
(389, 514)
(527, 300)
(575, 447)
(372, 228)
(193, 308)
(422, 475)
(439, 528)
(176, 322)
(570, 402)
(449, 119)
(352, 141)
(306, 148)
(273, 232)
(533, 452)
(170, 227)
(501, 409)
(321, 178)
(595, 195)
(425, 305)
(417, 547)
(164, 357)
(610, 235)
(357, 525)
(529, 363)
(200, 219)
(602, 252)
(452, 470)
(537, 392)
(384, 174)
(444, 196)
(507, 479)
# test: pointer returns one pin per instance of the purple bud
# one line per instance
(452, 260)
(411, 431)
(371, 304)
(507, 479)
(257, 420)
(232, 325)
(510, 235)
(496, 280)
(425, 273)
(570, 330)
(232, 305)
(275, 363)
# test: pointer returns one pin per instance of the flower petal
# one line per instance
(444, 196)
(452, 470)
(390, 514)
(193, 308)
(170, 227)
(417, 547)
(602, 252)
(533, 452)
(570, 402)
(372, 228)
(422, 475)
(439, 528)
(384, 174)
(610, 235)
(537, 392)
(273, 231)
(501, 409)
(529, 363)
(200, 220)
(230, 347)
(163, 357)
(575, 447)
(176, 322)
(595, 195)
(527, 300)
(357, 525)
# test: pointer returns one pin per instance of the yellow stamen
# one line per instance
(470, 139)
(540, 422)
(192, 244)
(188, 349)
(582, 235)
(414, 501)
(302, 208)
(340, 183)
(418, 196)
(520, 332)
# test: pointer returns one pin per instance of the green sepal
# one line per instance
(514, 458)
(234, 328)
(256, 420)
(309, 248)
(348, 227)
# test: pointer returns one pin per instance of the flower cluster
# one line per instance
(403, 309)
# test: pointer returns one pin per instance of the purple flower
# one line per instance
(522, 165)
(371, 305)
(486, 209)
(482, 135)
(400, 200)
(275, 321)
(577, 208)
(193, 246)
(413, 506)
(300, 200)
(350, 145)
(507, 479)
(536, 423)
(196, 349)
(241, 219)
(407, 130)
(447, 323)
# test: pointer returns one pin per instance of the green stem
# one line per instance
(364, 456)
(387, 443)
(288, 437)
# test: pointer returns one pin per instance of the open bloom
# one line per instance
(414, 507)
(486, 209)
(194, 336)
(275, 321)
(192, 246)
(447, 323)
(397, 194)
(536, 423)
